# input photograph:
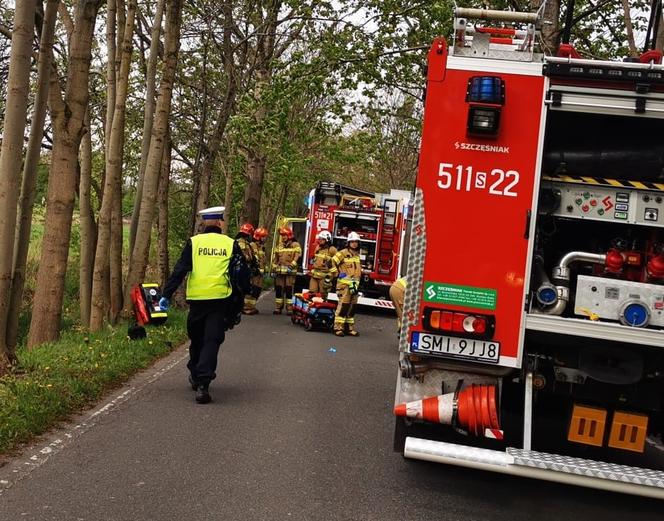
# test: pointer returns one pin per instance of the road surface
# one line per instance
(300, 428)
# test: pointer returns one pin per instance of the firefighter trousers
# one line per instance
(397, 293)
(319, 286)
(283, 292)
(344, 316)
(205, 327)
(251, 299)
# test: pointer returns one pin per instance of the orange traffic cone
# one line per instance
(473, 409)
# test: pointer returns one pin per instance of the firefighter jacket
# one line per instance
(348, 264)
(285, 257)
(258, 251)
(245, 247)
(321, 263)
(210, 258)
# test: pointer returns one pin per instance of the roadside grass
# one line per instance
(56, 380)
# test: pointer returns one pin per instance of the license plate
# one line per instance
(469, 349)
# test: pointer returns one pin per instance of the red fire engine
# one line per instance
(532, 341)
(381, 220)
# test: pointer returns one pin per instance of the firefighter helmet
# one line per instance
(260, 234)
(247, 228)
(353, 236)
(325, 235)
(286, 233)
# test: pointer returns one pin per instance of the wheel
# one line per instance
(308, 325)
(401, 431)
(293, 318)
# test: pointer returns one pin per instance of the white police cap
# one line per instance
(212, 213)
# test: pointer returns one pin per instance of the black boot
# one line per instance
(202, 394)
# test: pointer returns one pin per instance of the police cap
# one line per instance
(212, 213)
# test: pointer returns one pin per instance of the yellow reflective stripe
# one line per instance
(158, 315)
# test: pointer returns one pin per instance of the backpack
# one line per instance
(239, 273)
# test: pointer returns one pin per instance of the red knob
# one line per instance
(614, 261)
(656, 266)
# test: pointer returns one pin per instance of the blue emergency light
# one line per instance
(486, 89)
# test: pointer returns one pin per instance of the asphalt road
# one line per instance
(295, 431)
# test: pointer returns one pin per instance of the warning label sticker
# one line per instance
(467, 296)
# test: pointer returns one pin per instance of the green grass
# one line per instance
(55, 380)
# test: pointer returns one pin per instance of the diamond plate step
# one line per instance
(588, 468)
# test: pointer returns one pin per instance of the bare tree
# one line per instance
(67, 114)
(18, 87)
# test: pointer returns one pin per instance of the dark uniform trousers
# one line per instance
(205, 327)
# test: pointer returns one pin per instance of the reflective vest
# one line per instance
(210, 254)
(285, 258)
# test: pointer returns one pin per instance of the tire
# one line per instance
(293, 318)
(308, 325)
(401, 432)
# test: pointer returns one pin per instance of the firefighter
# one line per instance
(244, 238)
(284, 268)
(323, 270)
(258, 271)
(397, 293)
(207, 258)
(347, 262)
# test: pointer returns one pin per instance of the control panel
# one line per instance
(633, 304)
(604, 203)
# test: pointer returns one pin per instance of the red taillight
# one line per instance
(459, 323)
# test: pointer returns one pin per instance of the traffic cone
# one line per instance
(473, 409)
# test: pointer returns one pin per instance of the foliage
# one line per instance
(60, 379)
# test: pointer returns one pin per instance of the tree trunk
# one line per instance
(253, 190)
(140, 255)
(551, 30)
(88, 228)
(659, 41)
(163, 264)
(148, 118)
(633, 52)
(228, 195)
(67, 115)
(101, 300)
(27, 199)
(111, 51)
(18, 88)
(116, 254)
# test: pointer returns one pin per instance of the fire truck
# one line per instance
(382, 222)
(532, 341)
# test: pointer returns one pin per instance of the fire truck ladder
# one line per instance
(387, 237)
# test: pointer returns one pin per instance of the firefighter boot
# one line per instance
(350, 329)
(278, 306)
(339, 323)
(203, 394)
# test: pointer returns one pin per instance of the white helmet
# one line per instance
(353, 236)
(324, 235)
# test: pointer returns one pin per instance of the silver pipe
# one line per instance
(495, 15)
(562, 271)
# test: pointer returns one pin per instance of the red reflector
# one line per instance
(446, 323)
(434, 319)
(457, 322)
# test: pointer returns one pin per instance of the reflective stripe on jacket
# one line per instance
(322, 264)
(348, 263)
(285, 257)
(210, 254)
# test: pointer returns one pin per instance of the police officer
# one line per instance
(347, 262)
(284, 267)
(258, 250)
(323, 270)
(206, 257)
